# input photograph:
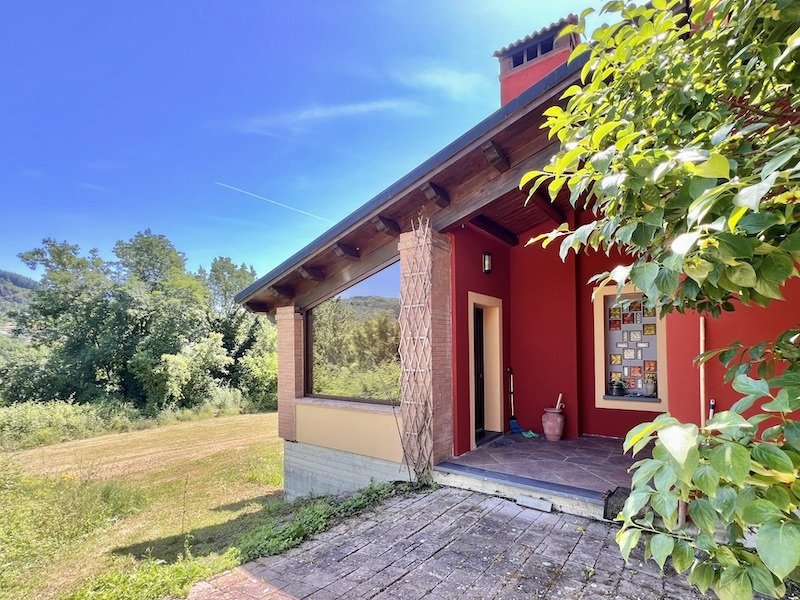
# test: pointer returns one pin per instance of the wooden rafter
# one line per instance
(284, 291)
(551, 210)
(387, 226)
(495, 156)
(311, 273)
(495, 230)
(344, 251)
(436, 194)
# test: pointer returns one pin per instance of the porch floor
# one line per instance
(591, 463)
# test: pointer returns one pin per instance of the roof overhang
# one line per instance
(481, 165)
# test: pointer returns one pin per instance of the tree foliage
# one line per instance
(683, 140)
(141, 328)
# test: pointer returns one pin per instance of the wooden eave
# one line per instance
(474, 182)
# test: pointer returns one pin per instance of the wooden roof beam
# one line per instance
(496, 230)
(387, 226)
(344, 251)
(436, 194)
(311, 273)
(551, 210)
(258, 307)
(284, 291)
(495, 156)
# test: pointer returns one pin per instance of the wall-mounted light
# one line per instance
(487, 262)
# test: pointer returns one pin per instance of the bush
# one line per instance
(30, 424)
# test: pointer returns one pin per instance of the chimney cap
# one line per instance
(552, 28)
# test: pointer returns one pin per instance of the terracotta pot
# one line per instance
(553, 424)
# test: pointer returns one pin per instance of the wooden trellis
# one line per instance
(416, 390)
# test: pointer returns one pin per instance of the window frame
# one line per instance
(308, 341)
(602, 399)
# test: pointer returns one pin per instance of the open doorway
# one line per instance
(486, 367)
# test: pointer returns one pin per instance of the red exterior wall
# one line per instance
(468, 246)
(549, 337)
(521, 78)
(544, 335)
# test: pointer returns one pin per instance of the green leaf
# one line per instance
(776, 267)
(702, 575)
(792, 43)
(726, 421)
(603, 130)
(778, 161)
(703, 514)
(731, 461)
(761, 511)
(724, 502)
(635, 502)
(734, 584)
(783, 403)
(778, 545)
(715, 167)
(772, 457)
(665, 504)
(678, 440)
(682, 556)
(706, 479)
(791, 432)
(752, 387)
(791, 243)
(661, 546)
(743, 275)
(750, 196)
(627, 540)
(644, 277)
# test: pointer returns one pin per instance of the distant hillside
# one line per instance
(366, 306)
(15, 292)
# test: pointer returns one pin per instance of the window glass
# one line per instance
(353, 341)
(546, 45)
(631, 345)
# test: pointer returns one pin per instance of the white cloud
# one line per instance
(298, 120)
(457, 85)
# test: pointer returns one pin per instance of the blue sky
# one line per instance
(117, 117)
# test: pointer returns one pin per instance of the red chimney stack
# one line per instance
(532, 58)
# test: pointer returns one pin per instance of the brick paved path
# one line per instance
(451, 544)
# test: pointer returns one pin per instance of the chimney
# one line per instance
(532, 58)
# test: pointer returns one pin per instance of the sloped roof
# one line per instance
(552, 28)
(386, 197)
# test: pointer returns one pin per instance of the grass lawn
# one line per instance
(146, 496)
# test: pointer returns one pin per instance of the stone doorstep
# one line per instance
(566, 499)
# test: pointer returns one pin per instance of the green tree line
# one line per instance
(141, 329)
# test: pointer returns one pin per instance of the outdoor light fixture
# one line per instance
(487, 262)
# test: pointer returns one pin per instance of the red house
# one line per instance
(400, 327)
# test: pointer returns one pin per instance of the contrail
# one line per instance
(297, 210)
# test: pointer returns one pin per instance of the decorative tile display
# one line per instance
(632, 352)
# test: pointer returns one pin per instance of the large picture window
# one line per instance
(353, 341)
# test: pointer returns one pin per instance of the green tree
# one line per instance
(150, 258)
(683, 140)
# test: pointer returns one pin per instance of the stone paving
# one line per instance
(452, 543)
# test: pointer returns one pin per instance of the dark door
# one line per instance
(477, 331)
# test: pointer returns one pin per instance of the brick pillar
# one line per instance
(291, 368)
(425, 347)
